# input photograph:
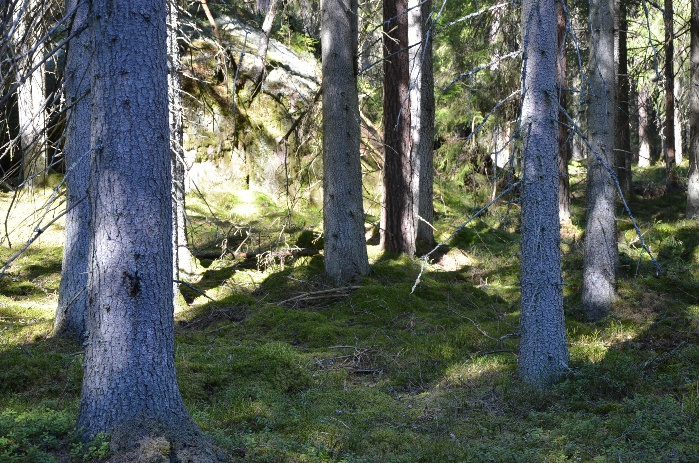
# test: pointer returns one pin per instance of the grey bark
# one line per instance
(623, 132)
(643, 126)
(543, 348)
(31, 92)
(72, 296)
(343, 218)
(693, 185)
(422, 112)
(129, 386)
(601, 248)
(669, 129)
(563, 142)
(397, 214)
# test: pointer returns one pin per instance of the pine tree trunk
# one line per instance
(129, 387)
(563, 142)
(601, 248)
(72, 295)
(543, 348)
(343, 213)
(422, 111)
(623, 134)
(397, 215)
(693, 185)
(643, 126)
(669, 129)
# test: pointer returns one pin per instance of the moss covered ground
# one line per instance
(276, 366)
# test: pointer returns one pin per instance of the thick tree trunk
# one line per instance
(129, 387)
(623, 133)
(543, 349)
(31, 96)
(693, 186)
(422, 112)
(72, 295)
(643, 126)
(563, 142)
(343, 213)
(397, 214)
(601, 248)
(669, 129)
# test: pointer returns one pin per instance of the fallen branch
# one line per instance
(303, 252)
(325, 294)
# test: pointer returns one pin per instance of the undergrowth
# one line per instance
(281, 367)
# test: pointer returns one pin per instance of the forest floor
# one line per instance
(277, 366)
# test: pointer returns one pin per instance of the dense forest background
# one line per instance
(501, 331)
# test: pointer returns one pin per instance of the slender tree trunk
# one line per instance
(72, 295)
(643, 126)
(679, 149)
(258, 72)
(343, 213)
(182, 256)
(623, 133)
(31, 92)
(563, 144)
(669, 129)
(601, 248)
(693, 185)
(129, 387)
(543, 348)
(422, 111)
(397, 215)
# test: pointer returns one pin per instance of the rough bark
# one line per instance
(623, 132)
(693, 185)
(31, 91)
(601, 248)
(543, 349)
(422, 111)
(397, 214)
(669, 75)
(129, 386)
(563, 142)
(343, 214)
(72, 296)
(643, 126)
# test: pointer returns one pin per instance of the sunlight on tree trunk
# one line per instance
(543, 348)
(343, 213)
(31, 98)
(601, 248)
(129, 387)
(693, 185)
(422, 113)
